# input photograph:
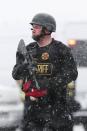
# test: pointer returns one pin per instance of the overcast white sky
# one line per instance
(25, 9)
(15, 16)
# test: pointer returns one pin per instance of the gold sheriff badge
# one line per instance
(45, 56)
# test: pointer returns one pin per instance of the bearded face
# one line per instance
(36, 32)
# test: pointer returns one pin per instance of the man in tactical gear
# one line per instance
(46, 107)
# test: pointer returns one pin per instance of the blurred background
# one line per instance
(71, 19)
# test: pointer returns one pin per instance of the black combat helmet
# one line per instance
(45, 20)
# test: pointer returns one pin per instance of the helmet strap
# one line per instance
(45, 31)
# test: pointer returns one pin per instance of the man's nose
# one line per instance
(31, 28)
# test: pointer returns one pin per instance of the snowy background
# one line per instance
(79, 128)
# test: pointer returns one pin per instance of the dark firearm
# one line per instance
(28, 60)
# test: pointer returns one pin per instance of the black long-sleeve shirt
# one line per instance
(55, 69)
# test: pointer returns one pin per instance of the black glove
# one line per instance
(22, 67)
(20, 71)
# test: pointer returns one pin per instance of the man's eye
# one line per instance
(36, 27)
